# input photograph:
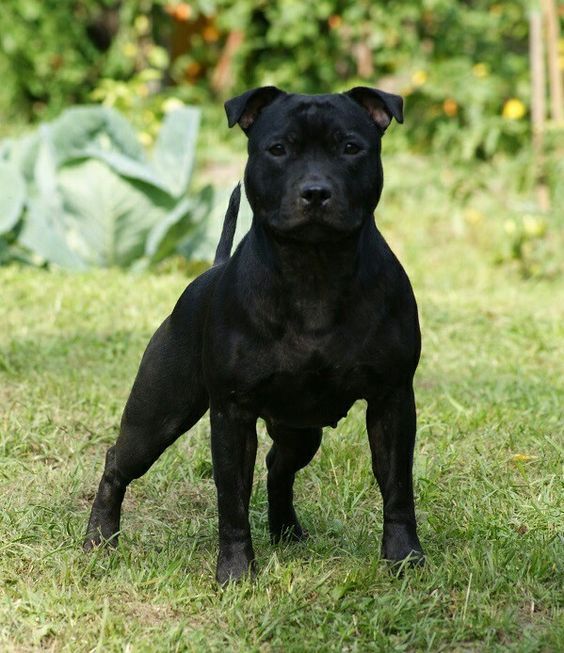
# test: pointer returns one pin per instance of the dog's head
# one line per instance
(314, 171)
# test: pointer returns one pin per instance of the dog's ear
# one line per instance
(381, 106)
(245, 108)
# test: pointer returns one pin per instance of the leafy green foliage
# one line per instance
(462, 66)
(457, 63)
(92, 195)
(47, 58)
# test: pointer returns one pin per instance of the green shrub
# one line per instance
(457, 63)
(462, 66)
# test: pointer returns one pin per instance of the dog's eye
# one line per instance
(351, 148)
(277, 149)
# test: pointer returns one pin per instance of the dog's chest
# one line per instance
(309, 399)
(309, 380)
(303, 358)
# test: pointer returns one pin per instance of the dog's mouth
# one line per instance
(315, 226)
(309, 232)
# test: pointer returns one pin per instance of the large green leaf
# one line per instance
(22, 152)
(45, 166)
(128, 167)
(12, 195)
(182, 224)
(175, 149)
(44, 233)
(6, 148)
(93, 128)
(161, 240)
(100, 132)
(96, 218)
(107, 217)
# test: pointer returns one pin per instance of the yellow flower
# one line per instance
(522, 458)
(172, 103)
(129, 49)
(534, 227)
(142, 24)
(480, 70)
(450, 107)
(473, 216)
(513, 109)
(145, 139)
(419, 77)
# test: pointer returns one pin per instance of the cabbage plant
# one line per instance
(81, 191)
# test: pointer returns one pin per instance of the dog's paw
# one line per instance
(97, 542)
(99, 537)
(91, 543)
(234, 565)
(400, 545)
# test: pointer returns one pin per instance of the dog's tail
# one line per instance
(223, 251)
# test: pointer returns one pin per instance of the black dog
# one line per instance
(312, 312)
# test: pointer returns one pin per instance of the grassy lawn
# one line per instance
(488, 477)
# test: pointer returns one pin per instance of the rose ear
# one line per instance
(244, 109)
(381, 106)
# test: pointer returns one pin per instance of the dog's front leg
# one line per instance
(391, 425)
(234, 447)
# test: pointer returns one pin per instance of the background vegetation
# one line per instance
(459, 63)
(140, 180)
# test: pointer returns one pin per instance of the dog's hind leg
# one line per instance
(167, 399)
(292, 449)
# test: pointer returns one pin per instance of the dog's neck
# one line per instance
(308, 264)
(313, 280)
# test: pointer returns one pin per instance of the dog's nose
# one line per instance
(313, 195)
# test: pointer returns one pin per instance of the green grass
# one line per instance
(488, 476)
